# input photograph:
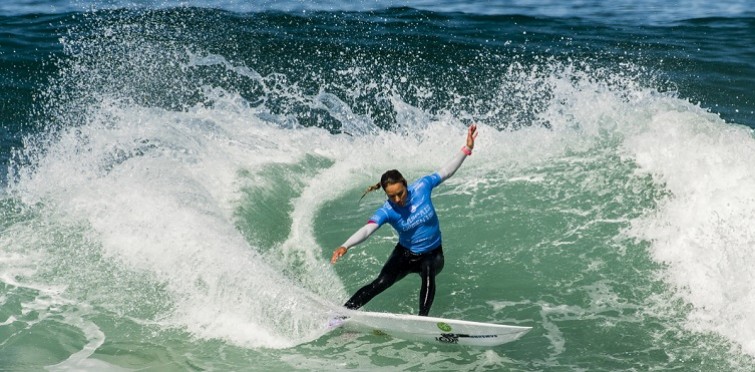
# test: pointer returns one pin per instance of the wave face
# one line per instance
(177, 178)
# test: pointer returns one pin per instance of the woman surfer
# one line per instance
(409, 210)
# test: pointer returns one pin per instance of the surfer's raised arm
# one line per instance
(453, 165)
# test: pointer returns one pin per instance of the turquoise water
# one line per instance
(176, 178)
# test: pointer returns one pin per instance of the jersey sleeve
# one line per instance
(379, 217)
(432, 180)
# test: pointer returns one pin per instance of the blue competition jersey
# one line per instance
(416, 222)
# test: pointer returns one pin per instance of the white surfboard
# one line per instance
(428, 329)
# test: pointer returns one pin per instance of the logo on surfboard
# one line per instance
(453, 338)
(448, 338)
(444, 327)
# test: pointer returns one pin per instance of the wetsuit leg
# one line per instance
(394, 270)
(430, 266)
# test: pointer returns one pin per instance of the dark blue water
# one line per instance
(703, 52)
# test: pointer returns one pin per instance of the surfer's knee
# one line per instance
(384, 281)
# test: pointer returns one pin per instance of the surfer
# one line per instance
(411, 213)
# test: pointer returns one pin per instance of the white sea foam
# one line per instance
(165, 207)
(703, 232)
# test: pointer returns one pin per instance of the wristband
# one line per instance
(466, 150)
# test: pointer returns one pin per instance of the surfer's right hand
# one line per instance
(340, 251)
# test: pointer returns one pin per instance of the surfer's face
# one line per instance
(396, 192)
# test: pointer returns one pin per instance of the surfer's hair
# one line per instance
(388, 178)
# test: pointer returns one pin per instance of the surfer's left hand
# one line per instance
(471, 135)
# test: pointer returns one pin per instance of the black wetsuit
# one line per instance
(401, 262)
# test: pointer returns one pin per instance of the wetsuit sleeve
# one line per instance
(361, 235)
(452, 166)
